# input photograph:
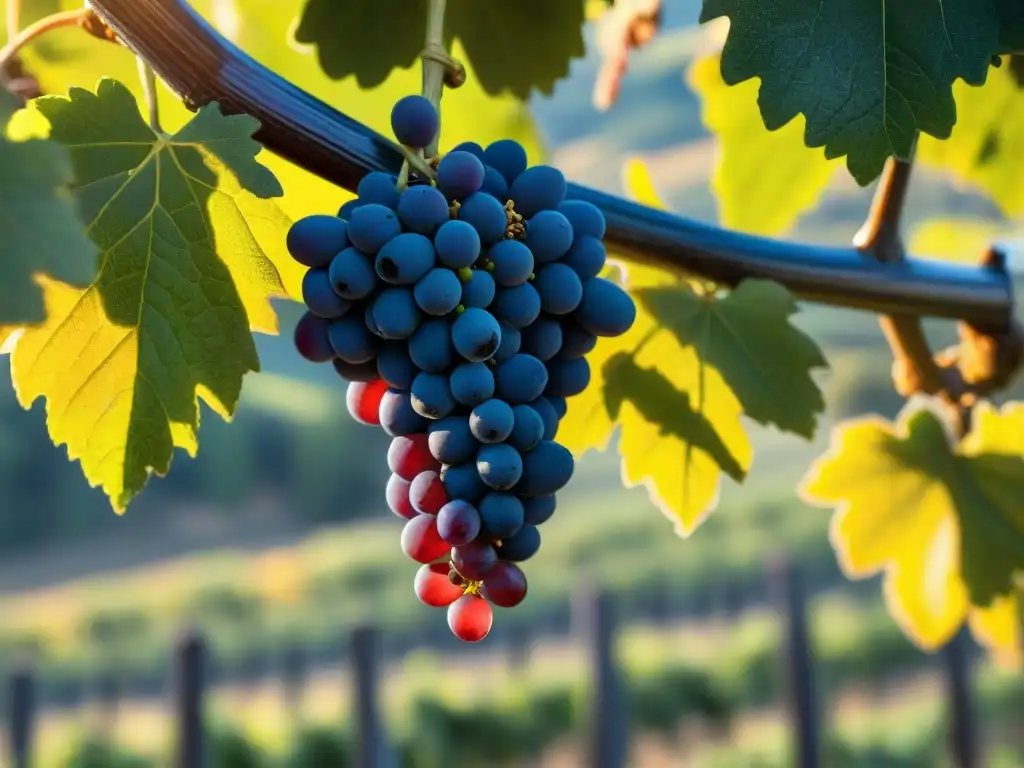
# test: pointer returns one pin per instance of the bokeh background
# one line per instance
(276, 540)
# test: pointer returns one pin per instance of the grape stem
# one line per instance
(439, 68)
(149, 92)
(19, 40)
(202, 67)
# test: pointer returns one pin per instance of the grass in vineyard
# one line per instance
(625, 541)
(860, 717)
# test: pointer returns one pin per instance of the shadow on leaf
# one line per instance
(659, 402)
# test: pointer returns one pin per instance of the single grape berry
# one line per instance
(379, 187)
(605, 308)
(421, 541)
(433, 587)
(397, 416)
(311, 339)
(458, 522)
(459, 175)
(427, 493)
(469, 618)
(409, 456)
(475, 560)
(314, 240)
(363, 401)
(397, 496)
(319, 295)
(506, 586)
(457, 244)
(414, 121)
(476, 335)
(507, 157)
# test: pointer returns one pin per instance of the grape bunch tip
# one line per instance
(461, 311)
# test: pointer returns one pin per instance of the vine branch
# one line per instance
(984, 361)
(914, 370)
(55, 21)
(201, 66)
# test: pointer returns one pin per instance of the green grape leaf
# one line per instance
(680, 421)
(756, 196)
(192, 248)
(369, 40)
(866, 75)
(42, 233)
(987, 143)
(944, 521)
(746, 336)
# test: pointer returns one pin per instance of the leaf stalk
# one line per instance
(47, 24)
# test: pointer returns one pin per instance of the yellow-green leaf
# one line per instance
(943, 521)
(745, 335)
(680, 422)
(764, 180)
(192, 249)
(987, 143)
(962, 240)
(41, 231)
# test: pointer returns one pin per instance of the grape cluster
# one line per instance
(461, 312)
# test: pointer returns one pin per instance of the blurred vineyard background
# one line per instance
(277, 536)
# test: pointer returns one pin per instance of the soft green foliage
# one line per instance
(867, 75)
(987, 142)
(747, 337)
(754, 196)
(42, 234)
(944, 521)
(364, 40)
(188, 231)
(192, 249)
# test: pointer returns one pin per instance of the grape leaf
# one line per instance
(746, 336)
(680, 422)
(192, 249)
(512, 47)
(755, 195)
(866, 75)
(42, 233)
(998, 627)
(961, 240)
(985, 148)
(943, 521)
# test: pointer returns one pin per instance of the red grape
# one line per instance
(475, 560)
(469, 618)
(433, 587)
(409, 455)
(363, 400)
(427, 493)
(421, 541)
(311, 339)
(458, 522)
(397, 495)
(505, 586)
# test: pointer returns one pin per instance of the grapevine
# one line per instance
(460, 306)
(498, 320)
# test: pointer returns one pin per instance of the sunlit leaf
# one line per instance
(867, 76)
(680, 422)
(764, 180)
(943, 521)
(42, 233)
(987, 144)
(192, 249)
